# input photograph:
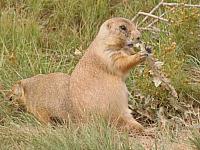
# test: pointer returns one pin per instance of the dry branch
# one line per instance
(156, 20)
(165, 82)
(155, 71)
(153, 16)
(180, 4)
(151, 12)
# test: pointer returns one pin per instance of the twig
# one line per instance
(151, 12)
(160, 17)
(153, 16)
(156, 20)
(180, 4)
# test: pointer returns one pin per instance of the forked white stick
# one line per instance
(151, 12)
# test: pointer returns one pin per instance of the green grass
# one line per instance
(41, 36)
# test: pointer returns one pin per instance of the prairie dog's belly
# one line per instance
(106, 94)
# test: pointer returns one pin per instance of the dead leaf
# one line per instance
(157, 81)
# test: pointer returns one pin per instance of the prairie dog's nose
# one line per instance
(136, 35)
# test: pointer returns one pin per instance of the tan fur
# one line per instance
(97, 83)
(46, 96)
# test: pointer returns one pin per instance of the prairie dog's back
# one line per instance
(44, 93)
(52, 89)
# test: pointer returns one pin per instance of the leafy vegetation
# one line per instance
(41, 36)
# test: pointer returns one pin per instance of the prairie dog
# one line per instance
(97, 85)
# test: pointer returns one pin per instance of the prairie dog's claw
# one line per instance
(143, 55)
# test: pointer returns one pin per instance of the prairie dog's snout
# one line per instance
(135, 36)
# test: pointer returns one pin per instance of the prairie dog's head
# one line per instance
(16, 95)
(117, 33)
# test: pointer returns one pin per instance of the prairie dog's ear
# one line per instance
(109, 24)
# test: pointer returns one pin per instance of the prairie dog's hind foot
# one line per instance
(130, 123)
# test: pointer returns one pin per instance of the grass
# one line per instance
(90, 136)
(195, 139)
(41, 36)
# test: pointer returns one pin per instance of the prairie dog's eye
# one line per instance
(123, 27)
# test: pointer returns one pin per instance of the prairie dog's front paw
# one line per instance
(142, 55)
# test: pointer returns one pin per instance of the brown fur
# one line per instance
(97, 83)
